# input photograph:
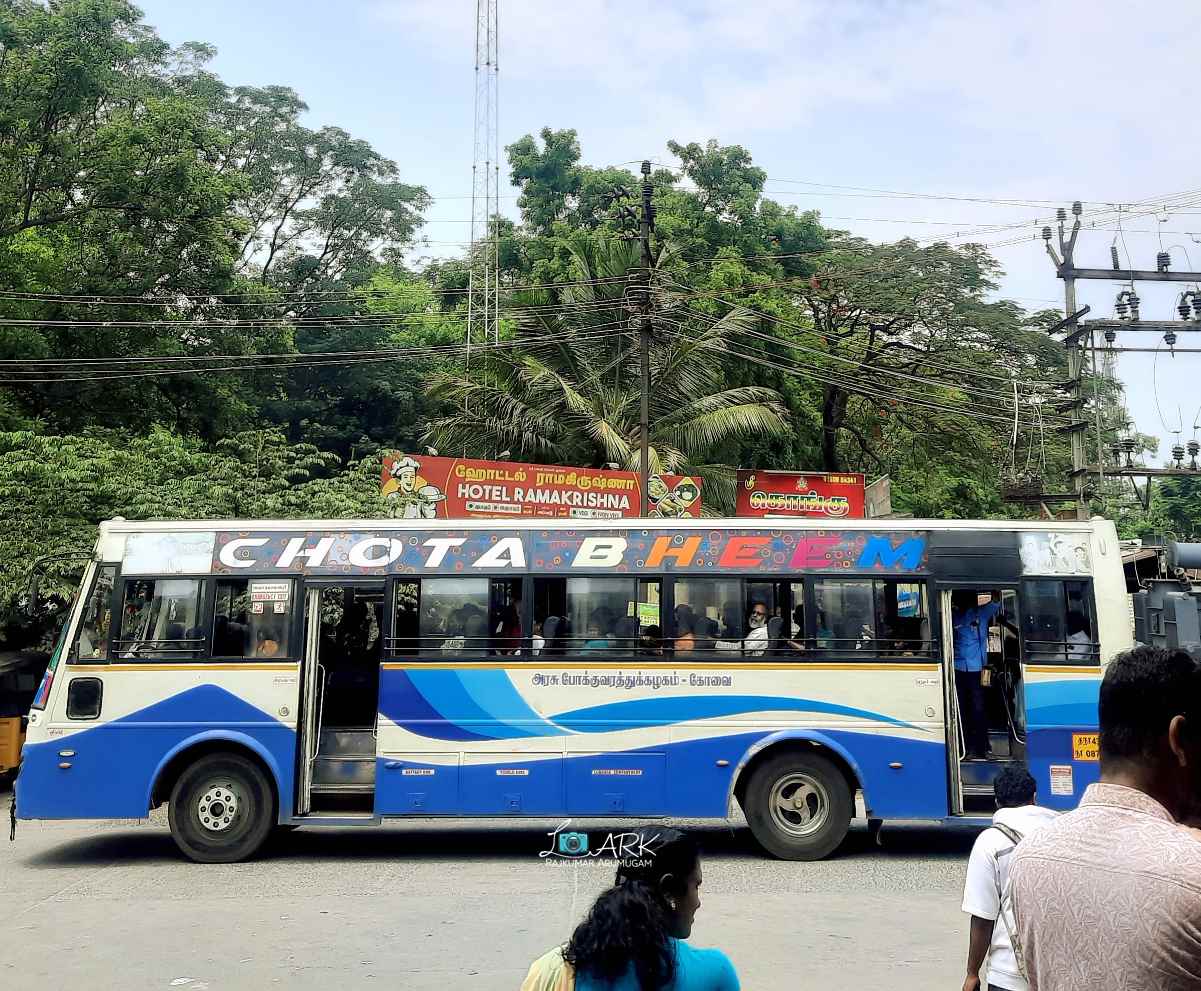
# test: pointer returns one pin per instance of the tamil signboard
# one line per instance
(427, 487)
(797, 494)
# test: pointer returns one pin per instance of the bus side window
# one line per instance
(593, 616)
(160, 618)
(845, 615)
(252, 618)
(708, 612)
(902, 620)
(406, 620)
(1057, 623)
(92, 642)
(454, 617)
(879, 617)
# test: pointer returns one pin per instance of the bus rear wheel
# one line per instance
(222, 809)
(798, 806)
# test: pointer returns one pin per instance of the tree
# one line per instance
(54, 490)
(575, 400)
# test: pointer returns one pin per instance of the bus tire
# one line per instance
(222, 809)
(798, 806)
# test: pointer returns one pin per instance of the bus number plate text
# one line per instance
(1086, 746)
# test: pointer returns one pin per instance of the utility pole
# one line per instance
(483, 283)
(1077, 425)
(646, 226)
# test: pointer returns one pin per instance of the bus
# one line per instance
(262, 675)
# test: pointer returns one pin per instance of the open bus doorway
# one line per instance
(344, 637)
(985, 695)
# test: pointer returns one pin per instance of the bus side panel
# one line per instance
(1061, 730)
(107, 771)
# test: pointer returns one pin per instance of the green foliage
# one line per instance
(576, 399)
(54, 490)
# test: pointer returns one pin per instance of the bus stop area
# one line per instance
(435, 905)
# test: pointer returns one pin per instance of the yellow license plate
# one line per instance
(1086, 746)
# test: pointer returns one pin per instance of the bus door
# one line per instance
(981, 741)
(954, 733)
(343, 645)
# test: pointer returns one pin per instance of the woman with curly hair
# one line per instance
(633, 938)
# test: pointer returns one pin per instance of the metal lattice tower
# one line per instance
(483, 292)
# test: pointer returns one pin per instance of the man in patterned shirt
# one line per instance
(1108, 897)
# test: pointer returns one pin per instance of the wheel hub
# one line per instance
(218, 807)
(800, 805)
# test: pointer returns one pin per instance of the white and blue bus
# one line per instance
(260, 675)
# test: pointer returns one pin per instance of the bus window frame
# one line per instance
(391, 654)
(204, 612)
(1093, 659)
(295, 622)
(816, 655)
(74, 624)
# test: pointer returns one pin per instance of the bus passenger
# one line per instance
(755, 643)
(685, 636)
(797, 639)
(634, 936)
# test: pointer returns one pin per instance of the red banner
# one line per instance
(809, 495)
(421, 487)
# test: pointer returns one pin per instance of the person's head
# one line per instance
(1151, 726)
(655, 897)
(758, 615)
(1076, 622)
(798, 615)
(1013, 787)
(963, 599)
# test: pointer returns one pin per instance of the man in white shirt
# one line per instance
(756, 641)
(987, 874)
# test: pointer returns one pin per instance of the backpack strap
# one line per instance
(1007, 911)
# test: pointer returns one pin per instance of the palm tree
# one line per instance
(573, 397)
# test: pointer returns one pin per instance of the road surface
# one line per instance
(424, 905)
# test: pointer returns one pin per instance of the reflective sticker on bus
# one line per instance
(1061, 779)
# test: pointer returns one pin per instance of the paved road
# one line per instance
(420, 906)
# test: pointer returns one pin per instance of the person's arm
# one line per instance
(982, 901)
(979, 939)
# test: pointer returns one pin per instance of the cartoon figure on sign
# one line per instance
(673, 504)
(429, 496)
(410, 496)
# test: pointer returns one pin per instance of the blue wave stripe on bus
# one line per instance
(401, 702)
(495, 692)
(1068, 702)
(114, 762)
(664, 711)
(446, 693)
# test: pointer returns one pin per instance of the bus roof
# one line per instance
(119, 525)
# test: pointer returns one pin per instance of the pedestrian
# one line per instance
(634, 936)
(1017, 816)
(1108, 897)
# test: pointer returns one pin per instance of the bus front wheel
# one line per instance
(221, 810)
(798, 806)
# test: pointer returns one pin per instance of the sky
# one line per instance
(924, 108)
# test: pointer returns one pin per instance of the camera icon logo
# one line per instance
(572, 844)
